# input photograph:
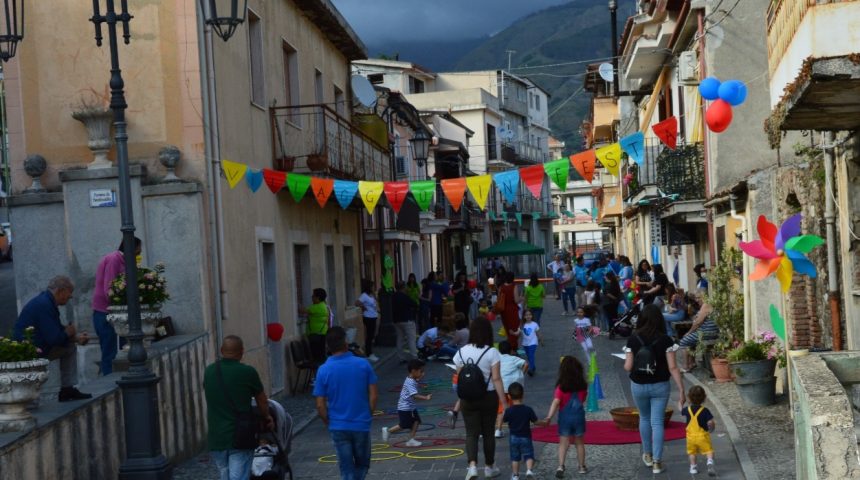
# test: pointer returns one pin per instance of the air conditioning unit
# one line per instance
(687, 68)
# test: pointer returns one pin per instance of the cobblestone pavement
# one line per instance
(604, 462)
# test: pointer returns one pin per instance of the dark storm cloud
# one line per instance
(380, 20)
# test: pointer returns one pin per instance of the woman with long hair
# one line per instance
(568, 400)
(654, 294)
(535, 293)
(511, 299)
(649, 380)
(369, 317)
(610, 299)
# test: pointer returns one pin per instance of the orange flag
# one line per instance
(455, 190)
(584, 164)
(396, 192)
(322, 188)
(533, 178)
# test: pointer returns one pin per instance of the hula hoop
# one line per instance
(431, 442)
(378, 446)
(324, 459)
(447, 424)
(393, 455)
(419, 454)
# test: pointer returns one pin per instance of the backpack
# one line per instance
(645, 361)
(470, 381)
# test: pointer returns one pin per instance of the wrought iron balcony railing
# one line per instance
(521, 153)
(678, 172)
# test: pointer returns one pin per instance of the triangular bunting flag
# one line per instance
(610, 157)
(298, 185)
(344, 192)
(504, 216)
(254, 178)
(479, 187)
(275, 179)
(508, 183)
(322, 188)
(536, 215)
(455, 191)
(634, 146)
(584, 164)
(492, 215)
(233, 171)
(533, 178)
(423, 191)
(519, 217)
(396, 193)
(370, 193)
(667, 131)
(557, 171)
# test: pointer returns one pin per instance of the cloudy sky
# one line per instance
(377, 21)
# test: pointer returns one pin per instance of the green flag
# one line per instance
(536, 215)
(492, 215)
(557, 171)
(519, 217)
(298, 185)
(423, 191)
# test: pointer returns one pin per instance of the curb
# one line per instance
(732, 429)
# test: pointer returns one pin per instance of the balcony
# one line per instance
(814, 78)
(675, 174)
(605, 114)
(468, 218)
(521, 153)
(317, 140)
(645, 44)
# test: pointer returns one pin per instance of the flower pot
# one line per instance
(149, 316)
(317, 162)
(759, 393)
(721, 370)
(20, 383)
(286, 163)
(753, 372)
(627, 418)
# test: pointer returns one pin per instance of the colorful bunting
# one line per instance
(234, 172)
(479, 187)
(557, 171)
(455, 191)
(519, 217)
(584, 164)
(508, 183)
(533, 178)
(254, 178)
(634, 146)
(610, 157)
(667, 131)
(423, 191)
(322, 188)
(275, 180)
(370, 193)
(298, 185)
(536, 215)
(344, 192)
(396, 193)
(492, 215)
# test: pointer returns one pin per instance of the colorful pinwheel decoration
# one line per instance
(781, 251)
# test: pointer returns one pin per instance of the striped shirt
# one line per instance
(406, 403)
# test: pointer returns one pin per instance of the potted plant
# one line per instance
(152, 292)
(753, 363)
(727, 300)
(22, 374)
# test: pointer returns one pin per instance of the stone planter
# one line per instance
(98, 124)
(627, 418)
(755, 381)
(721, 370)
(149, 316)
(20, 383)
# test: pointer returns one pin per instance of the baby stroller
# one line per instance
(281, 438)
(625, 325)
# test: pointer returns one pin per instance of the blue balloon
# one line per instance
(733, 91)
(709, 88)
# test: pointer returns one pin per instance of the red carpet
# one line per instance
(604, 433)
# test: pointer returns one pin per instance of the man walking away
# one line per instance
(403, 308)
(110, 266)
(229, 385)
(345, 392)
(42, 317)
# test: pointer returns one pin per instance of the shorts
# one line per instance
(521, 448)
(407, 418)
(699, 444)
(501, 409)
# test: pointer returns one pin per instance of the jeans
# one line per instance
(369, 334)
(406, 337)
(480, 418)
(580, 295)
(569, 296)
(353, 453)
(671, 318)
(651, 400)
(233, 464)
(537, 312)
(107, 341)
(530, 355)
(447, 351)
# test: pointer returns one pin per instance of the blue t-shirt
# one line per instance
(438, 291)
(598, 276)
(704, 417)
(519, 419)
(581, 274)
(343, 380)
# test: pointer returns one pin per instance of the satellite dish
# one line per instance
(363, 91)
(716, 35)
(605, 71)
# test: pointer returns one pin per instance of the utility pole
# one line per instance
(510, 53)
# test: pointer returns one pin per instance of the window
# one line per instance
(291, 79)
(376, 78)
(531, 99)
(331, 277)
(399, 157)
(415, 85)
(537, 102)
(583, 202)
(349, 275)
(302, 268)
(255, 46)
(339, 101)
(491, 142)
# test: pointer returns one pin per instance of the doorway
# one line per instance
(269, 297)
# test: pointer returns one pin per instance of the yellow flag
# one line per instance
(234, 172)
(610, 157)
(479, 187)
(370, 193)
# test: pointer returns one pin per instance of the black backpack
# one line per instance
(470, 381)
(645, 361)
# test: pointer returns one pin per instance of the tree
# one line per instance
(725, 295)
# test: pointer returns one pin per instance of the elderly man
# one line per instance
(229, 386)
(54, 340)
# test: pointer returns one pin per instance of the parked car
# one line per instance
(594, 256)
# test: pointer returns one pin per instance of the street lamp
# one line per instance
(420, 146)
(224, 15)
(139, 385)
(12, 30)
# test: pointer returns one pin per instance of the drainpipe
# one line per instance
(700, 33)
(830, 220)
(747, 287)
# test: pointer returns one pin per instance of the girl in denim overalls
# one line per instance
(569, 400)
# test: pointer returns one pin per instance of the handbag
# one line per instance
(245, 434)
(499, 307)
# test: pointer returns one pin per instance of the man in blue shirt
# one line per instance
(581, 275)
(54, 340)
(345, 391)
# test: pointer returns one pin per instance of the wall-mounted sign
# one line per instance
(104, 197)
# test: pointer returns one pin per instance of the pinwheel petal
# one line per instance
(766, 232)
(800, 264)
(784, 273)
(789, 228)
(757, 249)
(764, 268)
(804, 243)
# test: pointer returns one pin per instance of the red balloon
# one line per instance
(472, 284)
(719, 116)
(275, 331)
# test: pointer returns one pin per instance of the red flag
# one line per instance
(396, 192)
(322, 188)
(584, 164)
(667, 131)
(533, 178)
(455, 190)
(275, 180)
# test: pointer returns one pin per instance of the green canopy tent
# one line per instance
(511, 247)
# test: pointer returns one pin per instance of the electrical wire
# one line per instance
(558, 107)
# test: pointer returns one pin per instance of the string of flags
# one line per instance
(454, 189)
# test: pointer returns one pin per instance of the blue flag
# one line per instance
(345, 192)
(508, 183)
(634, 146)
(254, 178)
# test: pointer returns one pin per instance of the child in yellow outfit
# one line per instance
(700, 422)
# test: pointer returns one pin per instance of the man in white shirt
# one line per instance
(555, 267)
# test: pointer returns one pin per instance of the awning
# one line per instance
(510, 247)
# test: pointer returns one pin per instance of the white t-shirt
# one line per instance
(369, 304)
(554, 266)
(492, 357)
(589, 297)
(511, 370)
(429, 335)
(530, 337)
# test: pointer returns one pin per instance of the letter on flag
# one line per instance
(667, 131)
(234, 171)
(322, 188)
(370, 193)
(274, 179)
(298, 185)
(455, 191)
(344, 192)
(423, 191)
(396, 193)
(584, 164)
(634, 145)
(479, 187)
(558, 171)
(508, 183)
(533, 178)
(610, 157)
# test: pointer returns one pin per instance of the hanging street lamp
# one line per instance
(420, 146)
(12, 30)
(224, 15)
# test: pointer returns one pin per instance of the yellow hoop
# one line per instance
(418, 454)
(378, 446)
(325, 459)
(393, 455)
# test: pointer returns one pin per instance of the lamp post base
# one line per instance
(143, 457)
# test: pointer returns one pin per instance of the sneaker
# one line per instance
(431, 358)
(471, 472)
(515, 477)
(694, 469)
(583, 469)
(499, 434)
(559, 472)
(647, 460)
(413, 443)
(373, 358)
(384, 434)
(69, 394)
(712, 472)
(453, 416)
(491, 472)
(530, 475)
(657, 467)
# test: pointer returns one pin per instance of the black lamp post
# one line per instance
(224, 15)
(12, 31)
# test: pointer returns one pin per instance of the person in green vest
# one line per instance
(535, 294)
(319, 319)
(413, 289)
